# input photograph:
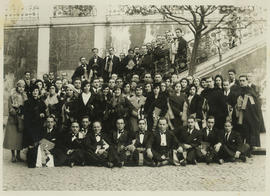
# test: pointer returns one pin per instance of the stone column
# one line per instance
(100, 34)
(45, 12)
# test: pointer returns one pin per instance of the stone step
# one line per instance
(259, 151)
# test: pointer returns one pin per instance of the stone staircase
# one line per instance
(230, 56)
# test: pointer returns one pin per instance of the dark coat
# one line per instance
(182, 50)
(151, 103)
(195, 106)
(33, 123)
(193, 139)
(212, 138)
(79, 72)
(147, 136)
(146, 62)
(91, 143)
(155, 139)
(85, 110)
(176, 103)
(217, 105)
(233, 143)
(96, 67)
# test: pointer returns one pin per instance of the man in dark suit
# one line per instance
(119, 142)
(96, 64)
(146, 61)
(82, 71)
(28, 83)
(112, 64)
(72, 144)
(216, 103)
(190, 137)
(96, 146)
(128, 65)
(162, 143)
(209, 138)
(230, 146)
(95, 87)
(181, 55)
(234, 83)
(140, 142)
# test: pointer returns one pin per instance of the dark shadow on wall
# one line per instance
(20, 51)
(68, 44)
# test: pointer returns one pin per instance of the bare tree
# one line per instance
(199, 19)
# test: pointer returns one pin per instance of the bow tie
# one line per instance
(141, 132)
(162, 132)
(97, 134)
(120, 132)
(74, 135)
(84, 130)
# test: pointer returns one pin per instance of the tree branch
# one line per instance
(210, 12)
(172, 15)
(194, 16)
(216, 25)
(186, 24)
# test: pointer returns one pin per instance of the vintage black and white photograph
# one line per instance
(119, 96)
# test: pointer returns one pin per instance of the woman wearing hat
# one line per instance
(14, 128)
(68, 107)
(34, 115)
(137, 104)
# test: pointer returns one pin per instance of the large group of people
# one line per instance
(114, 112)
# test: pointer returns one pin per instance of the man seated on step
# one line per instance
(190, 137)
(209, 138)
(140, 141)
(96, 146)
(120, 144)
(162, 143)
(230, 146)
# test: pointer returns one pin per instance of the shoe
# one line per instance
(220, 161)
(243, 158)
(120, 164)
(183, 163)
(18, 159)
(166, 162)
(71, 164)
(231, 159)
(13, 160)
(110, 165)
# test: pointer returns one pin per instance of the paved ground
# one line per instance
(249, 176)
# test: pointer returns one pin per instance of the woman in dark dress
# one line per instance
(155, 106)
(184, 85)
(34, 115)
(119, 106)
(193, 106)
(176, 101)
(85, 103)
(102, 106)
(219, 82)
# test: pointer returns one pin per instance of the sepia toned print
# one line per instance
(131, 97)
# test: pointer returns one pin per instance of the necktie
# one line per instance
(227, 136)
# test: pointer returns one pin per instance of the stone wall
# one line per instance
(20, 51)
(252, 63)
(67, 44)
